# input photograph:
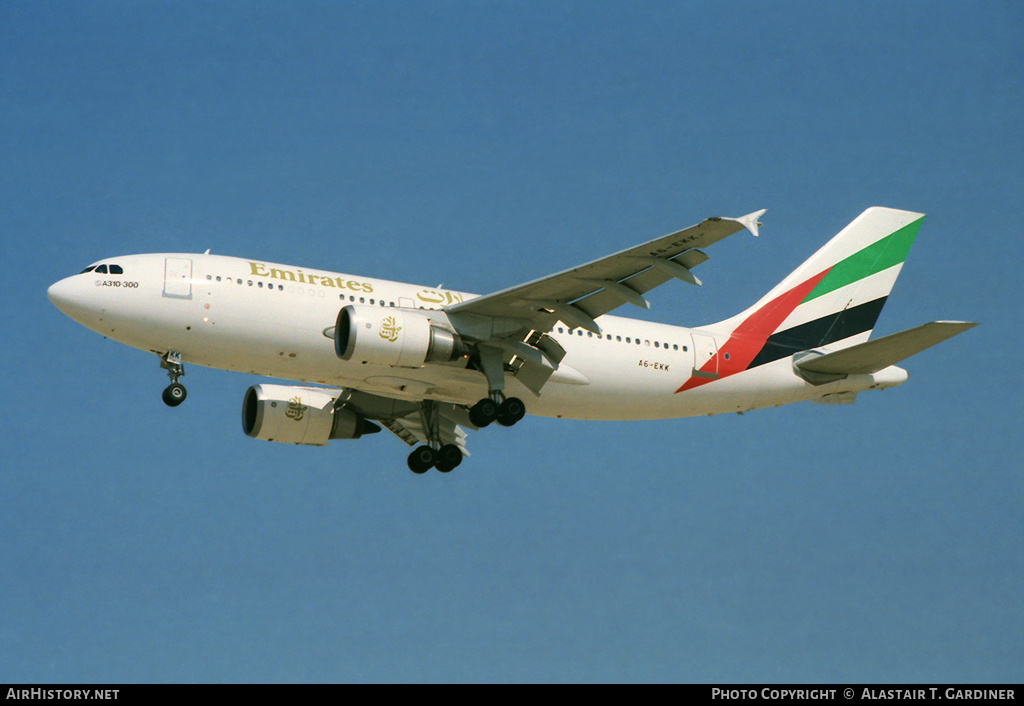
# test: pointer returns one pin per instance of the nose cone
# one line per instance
(70, 295)
(61, 294)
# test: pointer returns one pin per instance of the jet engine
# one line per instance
(396, 337)
(299, 415)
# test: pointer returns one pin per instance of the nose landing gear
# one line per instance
(175, 393)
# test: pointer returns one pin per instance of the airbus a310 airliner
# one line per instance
(429, 363)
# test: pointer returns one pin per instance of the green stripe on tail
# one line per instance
(887, 252)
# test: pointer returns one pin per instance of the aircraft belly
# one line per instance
(616, 395)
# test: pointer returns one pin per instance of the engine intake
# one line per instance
(396, 337)
(299, 415)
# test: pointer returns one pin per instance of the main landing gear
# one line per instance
(175, 393)
(506, 411)
(444, 459)
(433, 454)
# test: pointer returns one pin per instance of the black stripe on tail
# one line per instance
(820, 332)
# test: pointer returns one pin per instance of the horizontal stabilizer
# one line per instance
(880, 353)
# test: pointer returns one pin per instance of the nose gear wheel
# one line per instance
(175, 393)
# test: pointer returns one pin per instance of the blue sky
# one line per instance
(481, 144)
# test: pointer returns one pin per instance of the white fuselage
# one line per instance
(275, 320)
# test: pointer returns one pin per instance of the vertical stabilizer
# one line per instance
(833, 299)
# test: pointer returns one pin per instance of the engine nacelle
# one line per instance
(299, 415)
(397, 337)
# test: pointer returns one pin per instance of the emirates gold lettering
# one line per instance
(258, 269)
(432, 296)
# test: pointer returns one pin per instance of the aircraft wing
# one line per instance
(579, 295)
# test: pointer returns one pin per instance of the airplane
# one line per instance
(430, 363)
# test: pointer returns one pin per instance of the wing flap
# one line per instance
(880, 353)
(410, 428)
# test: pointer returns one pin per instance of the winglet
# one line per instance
(749, 221)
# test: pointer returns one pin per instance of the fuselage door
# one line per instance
(178, 277)
(705, 356)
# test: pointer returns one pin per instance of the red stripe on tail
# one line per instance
(747, 339)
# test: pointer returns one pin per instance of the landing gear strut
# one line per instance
(175, 393)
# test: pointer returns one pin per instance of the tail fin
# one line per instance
(833, 299)
(838, 293)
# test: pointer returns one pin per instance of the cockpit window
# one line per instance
(104, 269)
